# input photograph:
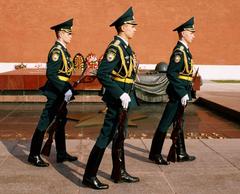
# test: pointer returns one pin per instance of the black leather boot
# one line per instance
(34, 156)
(182, 155)
(156, 148)
(90, 176)
(62, 157)
(60, 141)
(119, 173)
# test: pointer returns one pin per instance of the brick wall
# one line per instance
(25, 35)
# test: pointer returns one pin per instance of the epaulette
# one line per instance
(57, 49)
(181, 48)
(116, 43)
(58, 46)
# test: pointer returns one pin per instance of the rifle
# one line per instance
(195, 76)
(121, 127)
(123, 114)
(77, 60)
(52, 128)
(195, 84)
(177, 127)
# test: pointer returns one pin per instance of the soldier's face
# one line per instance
(188, 36)
(66, 36)
(129, 30)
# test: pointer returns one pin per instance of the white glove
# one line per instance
(68, 95)
(184, 100)
(125, 98)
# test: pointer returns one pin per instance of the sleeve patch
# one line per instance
(177, 58)
(111, 54)
(55, 56)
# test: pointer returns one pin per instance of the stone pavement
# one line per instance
(216, 169)
(221, 97)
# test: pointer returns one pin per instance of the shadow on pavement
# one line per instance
(19, 149)
(69, 171)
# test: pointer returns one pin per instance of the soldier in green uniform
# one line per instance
(179, 73)
(57, 89)
(116, 72)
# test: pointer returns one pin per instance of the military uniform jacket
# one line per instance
(116, 72)
(179, 72)
(59, 70)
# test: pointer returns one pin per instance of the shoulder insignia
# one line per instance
(177, 58)
(55, 55)
(117, 43)
(181, 48)
(111, 55)
(59, 46)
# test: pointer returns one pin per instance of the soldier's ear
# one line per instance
(123, 27)
(180, 34)
(60, 34)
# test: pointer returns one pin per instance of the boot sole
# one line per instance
(87, 184)
(124, 181)
(33, 164)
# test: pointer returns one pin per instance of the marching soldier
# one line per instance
(116, 72)
(57, 89)
(179, 74)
